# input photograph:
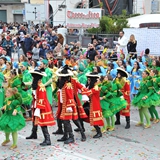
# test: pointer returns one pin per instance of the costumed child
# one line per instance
(15, 81)
(12, 119)
(26, 80)
(67, 109)
(1, 92)
(42, 112)
(152, 110)
(105, 95)
(122, 76)
(94, 111)
(111, 102)
(135, 78)
(143, 101)
(81, 113)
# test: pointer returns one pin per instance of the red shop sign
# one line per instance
(89, 15)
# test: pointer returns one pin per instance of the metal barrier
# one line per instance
(71, 38)
(85, 39)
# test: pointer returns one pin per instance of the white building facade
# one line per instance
(56, 9)
(146, 6)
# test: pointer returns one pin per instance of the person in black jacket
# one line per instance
(131, 46)
(91, 53)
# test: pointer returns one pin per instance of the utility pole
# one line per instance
(35, 12)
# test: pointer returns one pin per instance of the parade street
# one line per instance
(135, 143)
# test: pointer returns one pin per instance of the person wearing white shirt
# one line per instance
(122, 43)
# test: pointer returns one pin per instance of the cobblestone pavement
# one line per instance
(135, 143)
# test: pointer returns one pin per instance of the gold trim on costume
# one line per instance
(97, 119)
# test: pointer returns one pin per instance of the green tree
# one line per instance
(112, 24)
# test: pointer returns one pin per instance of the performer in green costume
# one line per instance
(105, 95)
(156, 87)
(143, 100)
(12, 120)
(82, 76)
(111, 102)
(47, 81)
(1, 92)
(26, 79)
(17, 83)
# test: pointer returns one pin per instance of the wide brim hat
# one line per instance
(38, 72)
(60, 74)
(64, 71)
(93, 74)
(120, 70)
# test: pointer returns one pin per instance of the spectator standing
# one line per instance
(91, 53)
(42, 52)
(131, 46)
(122, 44)
(22, 30)
(54, 40)
(28, 43)
(146, 58)
(8, 44)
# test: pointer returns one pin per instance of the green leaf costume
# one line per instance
(146, 89)
(26, 97)
(8, 122)
(1, 92)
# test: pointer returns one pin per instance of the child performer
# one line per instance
(95, 111)
(155, 82)
(1, 92)
(143, 99)
(122, 76)
(43, 115)
(12, 119)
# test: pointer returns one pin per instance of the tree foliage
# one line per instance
(112, 24)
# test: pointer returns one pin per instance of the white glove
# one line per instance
(85, 98)
(37, 113)
(69, 109)
(122, 97)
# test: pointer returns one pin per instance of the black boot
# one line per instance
(34, 133)
(83, 136)
(117, 119)
(127, 122)
(81, 129)
(60, 130)
(68, 129)
(46, 135)
(70, 139)
(82, 125)
(99, 134)
(64, 138)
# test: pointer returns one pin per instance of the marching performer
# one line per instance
(94, 111)
(42, 112)
(12, 119)
(122, 76)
